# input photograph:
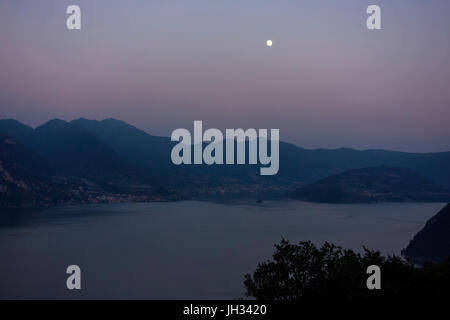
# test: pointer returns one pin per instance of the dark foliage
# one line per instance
(330, 272)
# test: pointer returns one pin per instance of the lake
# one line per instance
(180, 250)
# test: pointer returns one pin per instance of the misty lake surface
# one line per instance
(180, 250)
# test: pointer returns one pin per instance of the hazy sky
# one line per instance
(160, 64)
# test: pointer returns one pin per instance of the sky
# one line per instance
(327, 81)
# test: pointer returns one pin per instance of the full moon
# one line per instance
(269, 43)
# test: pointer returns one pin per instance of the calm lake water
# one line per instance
(180, 250)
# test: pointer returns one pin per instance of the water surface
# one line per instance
(180, 250)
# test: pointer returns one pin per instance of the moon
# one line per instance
(269, 43)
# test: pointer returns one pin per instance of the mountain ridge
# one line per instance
(113, 150)
(432, 243)
(373, 184)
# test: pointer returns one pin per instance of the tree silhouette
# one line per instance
(330, 272)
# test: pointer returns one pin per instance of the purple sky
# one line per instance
(327, 81)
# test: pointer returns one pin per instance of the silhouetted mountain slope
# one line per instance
(112, 150)
(374, 184)
(152, 155)
(76, 151)
(20, 132)
(27, 179)
(22, 175)
(147, 153)
(80, 168)
(432, 243)
(68, 148)
(133, 144)
(296, 164)
(311, 165)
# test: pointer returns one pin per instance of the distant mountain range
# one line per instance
(432, 243)
(110, 160)
(373, 184)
